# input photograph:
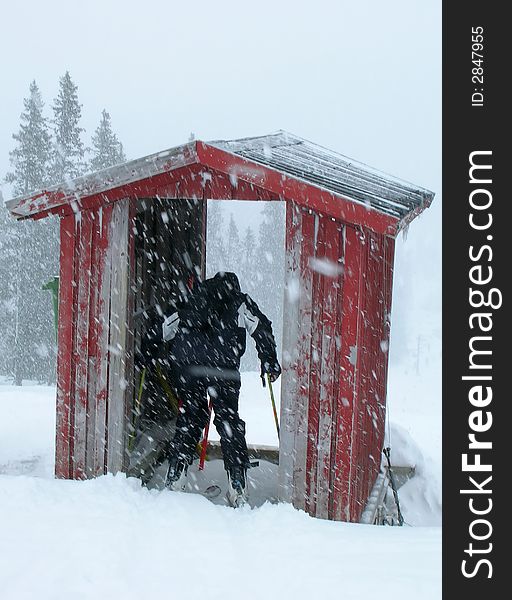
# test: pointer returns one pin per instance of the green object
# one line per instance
(168, 391)
(136, 412)
(53, 287)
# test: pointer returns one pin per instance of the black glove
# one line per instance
(272, 367)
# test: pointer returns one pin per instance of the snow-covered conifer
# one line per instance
(233, 246)
(29, 256)
(215, 247)
(106, 148)
(68, 150)
(30, 159)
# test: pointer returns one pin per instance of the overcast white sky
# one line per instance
(362, 78)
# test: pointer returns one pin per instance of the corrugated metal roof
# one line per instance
(337, 173)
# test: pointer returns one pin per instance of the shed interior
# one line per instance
(169, 257)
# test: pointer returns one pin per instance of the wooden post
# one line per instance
(295, 386)
(290, 464)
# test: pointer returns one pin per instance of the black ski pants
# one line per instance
(192, 390)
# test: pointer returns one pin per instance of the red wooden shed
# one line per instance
(341, 221)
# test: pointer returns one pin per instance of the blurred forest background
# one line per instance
(50, 148)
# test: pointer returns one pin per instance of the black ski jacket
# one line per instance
(208, 328)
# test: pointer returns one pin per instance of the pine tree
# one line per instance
(8, 240)
(233, 246)
(249, 284)
(249, 261)
(31, 157)
(215, 247)
(270, 267)
(69, 151)
(29, 256)
(107, 149)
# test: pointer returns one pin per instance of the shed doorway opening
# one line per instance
(175, 247)
(248, 238)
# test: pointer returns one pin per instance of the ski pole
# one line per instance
(273, 404)
(168, 391)
(202, 458)
(137, 406)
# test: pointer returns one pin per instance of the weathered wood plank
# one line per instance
(304, 361)
(106, 182)
(130, 334)
(361, 370)
(289, 377)
(91, 351)
(339, 407)
(328, 395)
(102, 278)
(117, 384)
(348, 362)
(83, 275)
(92, 370)
(65, 394)
(315, 233)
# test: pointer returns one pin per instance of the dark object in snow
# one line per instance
(212, 491)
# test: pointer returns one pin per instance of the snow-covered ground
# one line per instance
(110, 538)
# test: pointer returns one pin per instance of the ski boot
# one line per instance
(176, 474)
(237, 482)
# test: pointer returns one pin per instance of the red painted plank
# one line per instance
(368, 383)
(90, 467)
(368, 428)
(328, 394)
(292, 463)
(217, 186)
(315, 237)
(378, 394)
(339, 407)
(65, 392)
(348, 363)
(359, 405)
(304, 241)
(102, 275)
(83, 276)
(140, 178)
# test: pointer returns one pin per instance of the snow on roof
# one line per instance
(281, 151)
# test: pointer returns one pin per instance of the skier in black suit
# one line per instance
(207, 334)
